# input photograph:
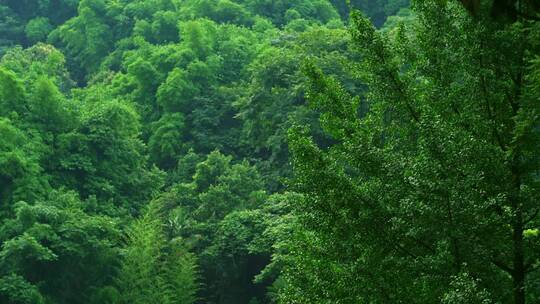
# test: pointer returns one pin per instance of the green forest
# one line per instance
(269, 151)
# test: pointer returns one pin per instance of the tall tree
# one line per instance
(154, 268)
(436, 185)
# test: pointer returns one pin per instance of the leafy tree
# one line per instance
(443, 144)
(38, 29)
(15, 290)
(214, 211)
(39, 61)
(56, 247)
(48, 108)
(164, 27)
(275, 97)
(155, 269)
(165, 143)
(20, 174)
(104, 157)
(87, 38)
(176, 94)
(12, 95)
(199, 36)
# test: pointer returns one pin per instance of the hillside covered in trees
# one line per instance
(269, 151)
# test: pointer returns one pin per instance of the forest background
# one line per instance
(255, 151)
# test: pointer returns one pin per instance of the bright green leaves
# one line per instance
(12, 96)
(165, 27)
(12, 137)
(20, 171)
(162, 28)
(223, 11)
(40, 60)
(208, 171)
(145, 74)
(216, 212)
(38, 29)
(435, 145)
(57, 246)
(204, 73)
(227, 11)
(339, 111)
(154, 268)
(166, 142)
(48, 108)
(199, 36)
(245, 12)
(87, 38)
(176, 94)
(17, 253)
(105, 153)
(15, 289)
(41, 103)
(40, 110)
(164, 83)
(108, 120)
(276, 10)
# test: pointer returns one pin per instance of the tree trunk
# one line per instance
(519, 261)
(519, 270)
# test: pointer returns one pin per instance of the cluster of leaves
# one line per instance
(154, 268)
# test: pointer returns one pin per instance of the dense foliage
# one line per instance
(252, 151)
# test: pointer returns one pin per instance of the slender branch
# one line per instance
(532, 217)
(502, 266)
